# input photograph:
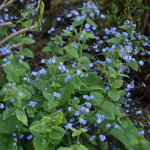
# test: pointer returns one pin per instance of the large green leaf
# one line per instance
(8, 125)
(57, 133)
(52, 104)
(28, 41)
(115, 40)
(117, 84)
(27, 52)
(73, 53)
(114, 94)
(133, 65)
(97, 100)
(91, 22)
(108, 110)
(21, 115)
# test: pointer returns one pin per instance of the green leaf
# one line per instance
(59, 118)
(112, 72)
(75, 132)
(90, 36)
(123, 75)
(80, 147)
(134, 140)
(48, 49)
(76, 82)
(37, 140)
(133, 65)
(98, 99)
(27, 52)
(27, 23)
(79, 23)
(8, 125)
(117, 84)
(3, 30)
(64, 148)
(58, 50)
(19, 71)
(57, 133)
(104, 146)
(91, 80)
(67, 33)
(115, 40)
(123, 122)
(21, 115)
(28, 41)
(91, 22)
(114, 94)
(52, 104)
(108, 110)
(48, 96)
(36, 127)
(9, 113)
(71, 50)
(84, 61)
(51, 44)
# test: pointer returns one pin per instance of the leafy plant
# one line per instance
(74, 102)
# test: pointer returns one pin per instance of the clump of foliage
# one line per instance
(74, 102)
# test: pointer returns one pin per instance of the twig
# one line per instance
(5, 24)
(5, 5)
(15, 46)
(4, 2)
(17, 33)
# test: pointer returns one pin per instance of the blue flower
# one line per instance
(87, 26)
(30, 36)
(57, 95)
(30, 137)
(21, 136)
(102, 16)
(20, 94)
(107, 88)
(58, 18)
(42, 71)
(82, 121)
(100, 118)
(14, 134)
(121, 69)
(2, 106)
(51, 61)
(78, 72)
(42, 143)
(76, 113)
(102, 137)
(11, 100)
(67, 78)
(92, 138)
(32, 104)
(51, 30)
(91, 65)
(68, 126)
(141, 132)
(14, 144)
(138, 112)
(108, 125)
(61, 67)
(141, 63)
(75, 46)
(81, 37)
(116, 126)
(108, 60)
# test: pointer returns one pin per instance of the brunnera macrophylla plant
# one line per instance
(74, 103)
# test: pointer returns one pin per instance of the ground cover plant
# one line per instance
(75, 101)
